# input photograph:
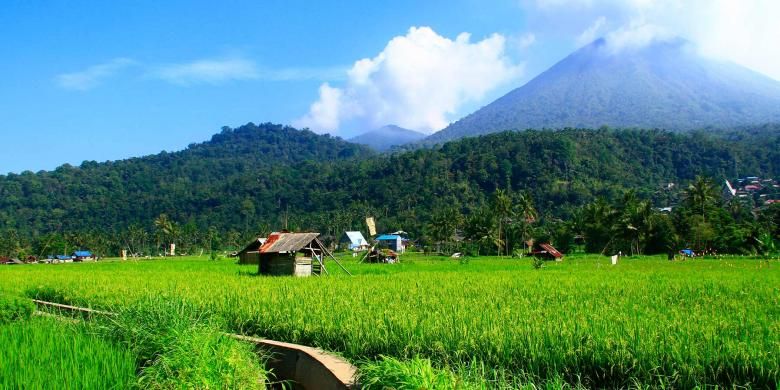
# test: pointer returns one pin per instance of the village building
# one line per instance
(393, 242)
(251, 253)
(283, 253)
(299, 254)
(82, 255)
(353, 241)
(9, 261)
(547, 252)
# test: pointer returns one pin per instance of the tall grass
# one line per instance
(178, 347)
(646, 321)
(42, 353)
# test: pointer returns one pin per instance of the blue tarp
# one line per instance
(83, 254)
(687, 252)
(388, 237)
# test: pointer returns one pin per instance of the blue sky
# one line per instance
(109, 80)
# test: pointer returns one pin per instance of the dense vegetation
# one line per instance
(153, 344)
(646, 321)
(259, 178)
(43, 353)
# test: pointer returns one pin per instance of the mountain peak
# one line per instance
(386, 137)
(665, 83)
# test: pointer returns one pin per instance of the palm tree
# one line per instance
(525, 207)
(633, 223)
(700, 194)
(502, 209)
(165, 229)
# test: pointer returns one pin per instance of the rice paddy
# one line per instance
(644, 322)
(43, 353)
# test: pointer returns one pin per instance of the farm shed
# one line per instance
(547, 252)
(82, 255)
(10, 261)
(251, 254)
(354, 241)
(393, 242)
(299, 254)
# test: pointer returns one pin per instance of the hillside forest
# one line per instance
(601, 191)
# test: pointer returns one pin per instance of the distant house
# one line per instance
(251, 253)
(10, 261)
(82, 255)
(547, 252)
(354, 241)
(64, 258)
(298, 254)
(729, 191)
(393, 242)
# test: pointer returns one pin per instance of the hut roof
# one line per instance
(551, 250)
(388, 237)
(254, 245)
(287, 242)
(356, 238)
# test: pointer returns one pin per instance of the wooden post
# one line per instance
(332, 257)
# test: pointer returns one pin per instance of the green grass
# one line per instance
(178, 347)
(584, 322)
(42, 353)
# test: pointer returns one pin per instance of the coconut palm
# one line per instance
(700, 194)
(502, 209)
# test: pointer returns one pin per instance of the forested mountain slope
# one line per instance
(255, 178)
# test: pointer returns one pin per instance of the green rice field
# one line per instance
(486, 322)
(43, 353)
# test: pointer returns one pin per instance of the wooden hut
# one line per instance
(251, 254)
(299, 254)
(547, 252)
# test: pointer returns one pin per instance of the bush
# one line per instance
(15, 308)
(390, 373)
(537, 262)
(49, 294)
(181, 347)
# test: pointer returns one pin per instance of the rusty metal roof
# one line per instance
(551, 250)
(287, 242)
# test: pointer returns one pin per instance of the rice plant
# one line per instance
(42, 353)
(582, 322)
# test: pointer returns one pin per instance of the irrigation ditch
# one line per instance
(304, 367)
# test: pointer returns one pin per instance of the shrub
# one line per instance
(15, 308)
(179, 346)
(390, 373)
(49, 294)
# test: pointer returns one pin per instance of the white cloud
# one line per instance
(92, 76)
(744, 31)
(208, 71)
(324, 113)
(591, 33)
(418, 81)
(525, 41)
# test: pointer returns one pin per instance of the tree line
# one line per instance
(572, 183)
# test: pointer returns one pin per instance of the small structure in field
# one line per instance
(298, 254)
(82, 256)
(354, 241)
(251, 254)
(546, 252)
(394, 242)
(10, 261)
